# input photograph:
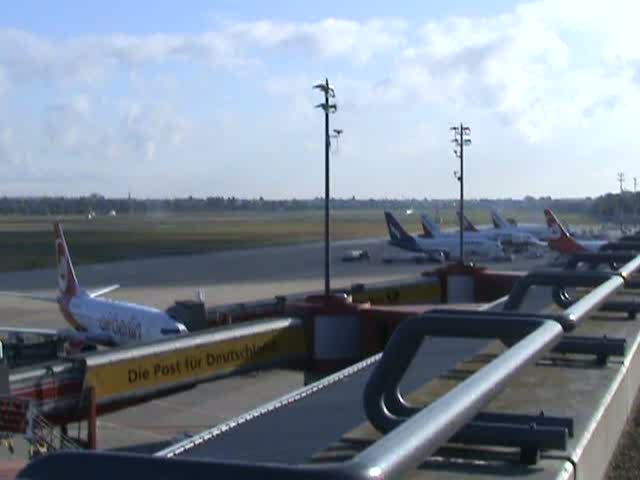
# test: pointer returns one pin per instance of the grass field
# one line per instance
(27, 242)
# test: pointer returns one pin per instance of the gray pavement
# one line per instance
(224, 278)
(294, 433)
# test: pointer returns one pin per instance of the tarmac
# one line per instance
(224, 277)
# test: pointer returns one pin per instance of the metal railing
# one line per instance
(44, 436)
(413, 434)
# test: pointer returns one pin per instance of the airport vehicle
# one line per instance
(446, 245)
(95, 320)
(566, 243)
(356, 256)
(509, 237)
(541, 232)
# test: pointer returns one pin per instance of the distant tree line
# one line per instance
(603, 206)
(614, 206)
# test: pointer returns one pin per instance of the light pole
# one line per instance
(328, 108)
(635, 209)
(461, 139)
(621, 180)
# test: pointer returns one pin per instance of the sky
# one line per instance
(204, 98)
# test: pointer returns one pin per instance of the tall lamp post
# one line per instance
(329, 108)
(621, 180)
(461, 139)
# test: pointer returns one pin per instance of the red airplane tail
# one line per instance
(564, 243)
(67, 281)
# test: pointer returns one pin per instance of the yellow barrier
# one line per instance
(410, 293)
(131, 376)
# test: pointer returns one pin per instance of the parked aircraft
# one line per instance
(566, 243)
(98, 320)
(541, 232)
(446, 245)
(510, 236)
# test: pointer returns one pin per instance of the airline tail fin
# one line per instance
(565, 243)
(498, 221)
(67, 281)
(397, 234)
(554, 224)
(467, 225)
(430, 228)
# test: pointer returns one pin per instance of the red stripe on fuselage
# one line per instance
(566, 245)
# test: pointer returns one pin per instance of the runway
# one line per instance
(224, 277)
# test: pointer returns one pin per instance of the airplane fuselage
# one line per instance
(569, 245)
(541, 232)
(477, 247)
(506, 236)
(119, 323)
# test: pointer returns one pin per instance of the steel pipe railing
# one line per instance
(384, 404)
(620, 246)
(595, 259)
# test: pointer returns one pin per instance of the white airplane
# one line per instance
(510, 236)
(566, 243)
(98, 320)
(541, 232)
(449, 246)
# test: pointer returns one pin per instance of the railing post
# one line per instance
(92, 420)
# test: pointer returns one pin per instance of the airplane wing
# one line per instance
(43, 297)
(93, 338)
(103, 291)
(33, 331)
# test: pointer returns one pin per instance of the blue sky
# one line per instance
(214, 98)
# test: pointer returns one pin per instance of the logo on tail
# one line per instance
(467, 226)
(565, 243)
(430, 228)
(67, 282)
(554, 224)
(498, 221)
(398, 235)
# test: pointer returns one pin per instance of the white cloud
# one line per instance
(77, 105)
(521, 66)
(28, 56)
(140, 129)
(526, 67)
(4, 82)
(329, 38)
(6, 141)
(540, 69)
(13, 155)
(68, 124)
(145, 127)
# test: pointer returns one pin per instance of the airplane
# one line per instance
(541, 232)
(95, 320)
(440, 244)
(566, 243)
(509, 236)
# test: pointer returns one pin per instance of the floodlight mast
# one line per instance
(621, 179)
(328, 108)
(336, 134)
(461, 139)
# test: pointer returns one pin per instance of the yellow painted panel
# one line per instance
(194, 363)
